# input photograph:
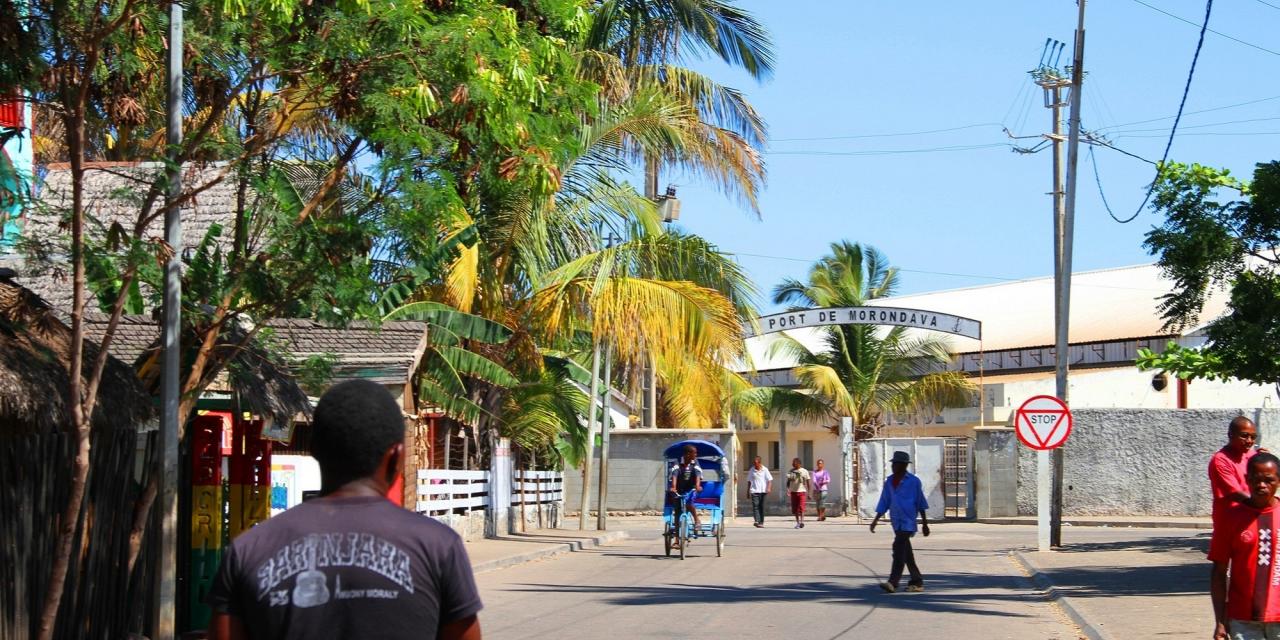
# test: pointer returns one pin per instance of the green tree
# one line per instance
(343, 125)
(861, 371)
(1220, 233)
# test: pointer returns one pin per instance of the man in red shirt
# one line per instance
(1246, 606)
(1226, 467)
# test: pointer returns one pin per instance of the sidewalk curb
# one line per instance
(1115, 524)
(556, 548)
(1043, 583)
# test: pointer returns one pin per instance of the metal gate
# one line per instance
(957, 477)
(926, 463)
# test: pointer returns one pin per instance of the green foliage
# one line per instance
(545, 409)
(1208, 241)
(1184, 362)
(862, 371)
(315, 373)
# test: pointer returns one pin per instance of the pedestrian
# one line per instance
(1246, 605)
(903, 497)
(348, 564)
(821, 482)
(798, 482)
(1227, 466)
(759, 485)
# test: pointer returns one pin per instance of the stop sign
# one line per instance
(1043, 423)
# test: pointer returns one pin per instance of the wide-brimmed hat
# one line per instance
(900, 456)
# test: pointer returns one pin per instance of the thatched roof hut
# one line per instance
(35, 381)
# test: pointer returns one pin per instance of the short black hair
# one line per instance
(1262, 457)
(355, 423)
(688, 448)
(1233, 427)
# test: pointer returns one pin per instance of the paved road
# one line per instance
(816, 583)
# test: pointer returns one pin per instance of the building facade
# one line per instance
(1114, 314)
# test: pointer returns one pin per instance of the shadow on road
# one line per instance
(1114, 581)
(947, 593)
(1198, 544)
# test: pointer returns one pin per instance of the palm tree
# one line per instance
(861, 371)
(637, 47)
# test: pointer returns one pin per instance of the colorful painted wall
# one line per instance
(16, 166)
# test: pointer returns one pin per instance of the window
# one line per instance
(753, 450)
(806, 453)
(773, 455)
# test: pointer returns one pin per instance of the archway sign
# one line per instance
(895, 316)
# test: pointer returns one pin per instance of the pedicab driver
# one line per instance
(684, 477)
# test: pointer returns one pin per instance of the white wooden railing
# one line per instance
(536, 487)
(442, 491)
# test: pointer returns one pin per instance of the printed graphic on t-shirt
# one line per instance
(306, 559)
(1266, 575)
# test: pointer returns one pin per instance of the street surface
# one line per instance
(818, 582)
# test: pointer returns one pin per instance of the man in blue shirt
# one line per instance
(903, 497)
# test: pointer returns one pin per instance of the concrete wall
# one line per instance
(471, 525)
(548, 517)
(1136, 461)
(637, 472)
(826, 447)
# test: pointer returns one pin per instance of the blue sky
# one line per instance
(959, 218)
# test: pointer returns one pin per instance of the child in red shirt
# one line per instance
(1247, 605)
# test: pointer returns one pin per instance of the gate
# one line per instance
(957, 477)
(927, 456)
(944, 466)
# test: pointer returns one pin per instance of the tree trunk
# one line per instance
(80, 414)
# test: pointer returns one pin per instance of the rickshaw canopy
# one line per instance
(710, 455)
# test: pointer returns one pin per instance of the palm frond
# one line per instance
(459, 323)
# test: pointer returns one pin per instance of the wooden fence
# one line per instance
(532, 490)
(443, 491)
(102, 598)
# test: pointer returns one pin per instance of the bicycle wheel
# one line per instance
(720, 540)
(684, 534)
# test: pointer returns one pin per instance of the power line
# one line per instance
(1232, 38)
(1224, 107)
(1090, 139)
(1198, 126)
(1098, 179)
(940, 273)
(884, 152)
(1186, 90)
(924, 271)
(888, 135)
(1211, 134)
(1269, 4)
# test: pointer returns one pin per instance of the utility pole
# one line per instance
(585, 504)
(649, 375)
(1052, 82)
(1065, 235)
(165, 623)
(602, 496)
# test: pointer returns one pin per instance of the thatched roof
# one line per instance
(387, 354)
(113, 194)
(35, 382)
(261, 379)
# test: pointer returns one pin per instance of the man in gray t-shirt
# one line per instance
(349, 564)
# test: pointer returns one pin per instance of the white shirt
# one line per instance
(758, 480)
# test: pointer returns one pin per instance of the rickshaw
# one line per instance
(678, 526)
